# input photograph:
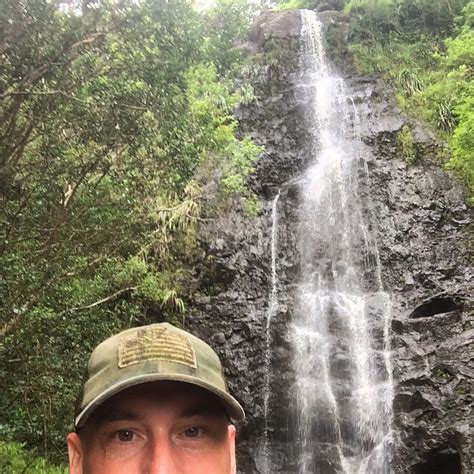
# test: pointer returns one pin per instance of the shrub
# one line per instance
(14, 459)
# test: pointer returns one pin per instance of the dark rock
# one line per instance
(437, 305)
(439, 461)
(270, 25)
(324, 7)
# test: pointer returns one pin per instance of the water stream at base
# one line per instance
(340, 326)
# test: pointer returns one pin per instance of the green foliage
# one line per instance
(462, 142)
(15, 460)
(106, 118)
(410, 82)
(251, 206)
(378, 20)
(446, 118)
(296, 4)
(309, 4)
(406, 144)
(227, 24)
(212, 103)
(372, 20)
(428, 16)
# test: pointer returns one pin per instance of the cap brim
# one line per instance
(230, 404)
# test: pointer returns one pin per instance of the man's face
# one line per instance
(160, 427)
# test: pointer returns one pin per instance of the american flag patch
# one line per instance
(155, 343)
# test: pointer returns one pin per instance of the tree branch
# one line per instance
(99, 302)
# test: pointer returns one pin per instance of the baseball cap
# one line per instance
(148, 354)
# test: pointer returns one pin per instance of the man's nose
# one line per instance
(163, 458)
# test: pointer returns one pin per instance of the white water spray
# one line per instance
(340, 328)
(271, 311)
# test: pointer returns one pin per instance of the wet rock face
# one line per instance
(421, 225)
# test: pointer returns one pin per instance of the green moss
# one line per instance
(406, 144)
(441, 374)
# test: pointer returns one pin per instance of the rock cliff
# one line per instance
(420, 222)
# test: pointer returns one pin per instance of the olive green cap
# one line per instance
(148, 354)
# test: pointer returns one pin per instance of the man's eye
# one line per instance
(123, 443)
(125, 435)
(192, 432)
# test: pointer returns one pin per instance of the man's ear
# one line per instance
(75, 454)
(231, 436)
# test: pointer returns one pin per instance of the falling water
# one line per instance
(273, 301)
(272, 308)
(340, 327)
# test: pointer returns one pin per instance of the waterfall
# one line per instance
(272, 309)
(340, 326)
(273, 301)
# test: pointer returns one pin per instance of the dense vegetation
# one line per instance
(15, 459)
(114, 117)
